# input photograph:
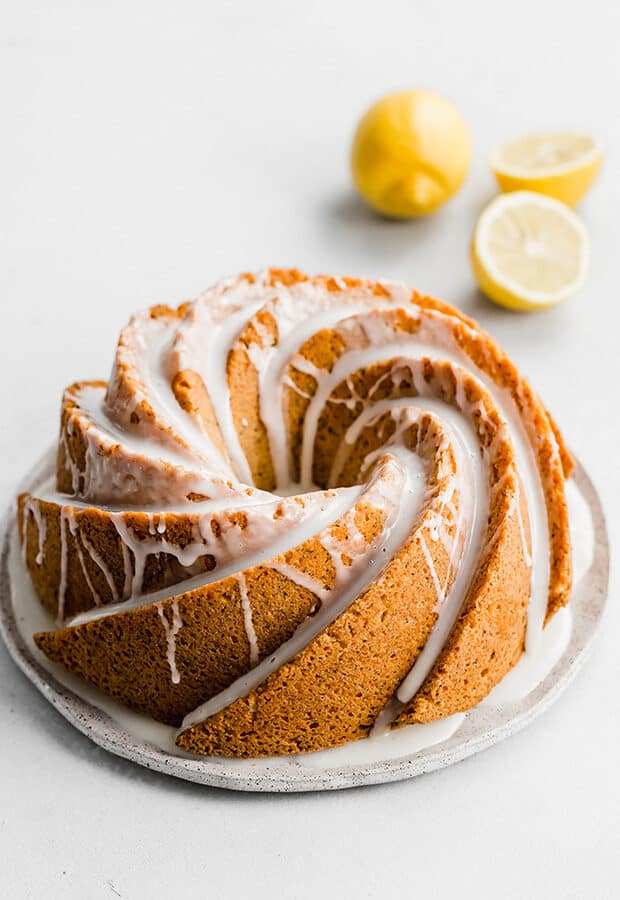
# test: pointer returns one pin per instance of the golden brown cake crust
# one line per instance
(168, 657)
(125, 655)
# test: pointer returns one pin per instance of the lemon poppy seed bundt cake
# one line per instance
(300, 507)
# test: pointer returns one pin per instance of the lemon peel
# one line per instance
(410, 153)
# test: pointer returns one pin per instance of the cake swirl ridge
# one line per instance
(299, 510)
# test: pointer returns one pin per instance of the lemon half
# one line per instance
(411, 153)
(561, 165)
(529, 251)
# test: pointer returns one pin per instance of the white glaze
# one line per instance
(393, 744)
(33, 508)
(387, 485)
(378, 330)
(432, 337)
(248, 622)
(156, 349)
(581, 531)
(31, 617)
(288, 531)
(534, 666)
(204, 348)
(171, 629)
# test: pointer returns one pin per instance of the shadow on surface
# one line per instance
(352, 226)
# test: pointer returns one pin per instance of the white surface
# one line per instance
(148, 149)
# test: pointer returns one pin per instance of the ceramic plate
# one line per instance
(411, 751)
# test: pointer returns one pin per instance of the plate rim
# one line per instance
(110, 735)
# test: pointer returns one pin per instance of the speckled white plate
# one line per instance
(365, 762)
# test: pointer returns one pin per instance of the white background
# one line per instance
(148, 149)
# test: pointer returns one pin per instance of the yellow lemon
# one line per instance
(410, 153)
(529, 251)
(561, 165)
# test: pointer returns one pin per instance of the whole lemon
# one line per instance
(410, 153)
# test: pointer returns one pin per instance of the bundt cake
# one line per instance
(300, 511)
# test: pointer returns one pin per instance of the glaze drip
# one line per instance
(277, 421)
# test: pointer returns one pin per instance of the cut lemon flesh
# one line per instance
(561, 164)
(529, 251)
